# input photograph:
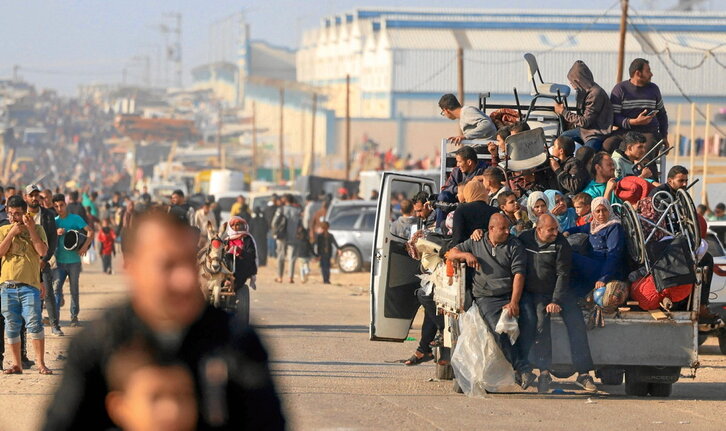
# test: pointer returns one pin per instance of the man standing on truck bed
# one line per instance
(547, 291)
(500, 266)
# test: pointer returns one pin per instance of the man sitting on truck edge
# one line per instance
(500, 263)
(547, 291)
(473, 123)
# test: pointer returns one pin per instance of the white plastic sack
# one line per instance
(508, 325)
(478, 362)
(90, 256)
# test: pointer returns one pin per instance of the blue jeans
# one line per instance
(21, 302)
(72, 271)
(594, 142)
(536, 335)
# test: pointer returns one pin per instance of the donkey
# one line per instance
(215, 275)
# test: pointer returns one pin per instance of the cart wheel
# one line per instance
(689, 220)
(633, 233)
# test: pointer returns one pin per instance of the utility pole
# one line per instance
(312, 135)
(460, 73)
(623, 31)
(219, 135)
(254, 142)
(281, 149)
(347, 127)
(16, 75)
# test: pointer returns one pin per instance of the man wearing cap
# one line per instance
(45, 219)
(69, 261)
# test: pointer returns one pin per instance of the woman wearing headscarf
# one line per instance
(537, 204)
(557, 206)
(472, 215)
(242, 256)
(606, 261)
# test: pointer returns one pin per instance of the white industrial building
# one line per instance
(401, 60)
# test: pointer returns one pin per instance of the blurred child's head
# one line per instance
(105, 223)
(149, 395)
(581, 202)
(324, 226)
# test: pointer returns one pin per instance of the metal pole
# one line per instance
(219, 135)
(460, 72)
(623, 30)
(254, 143)
(281, 147)
(311, 170)
(677, 140)
(347, 127)
(704, 183)
(693, 140)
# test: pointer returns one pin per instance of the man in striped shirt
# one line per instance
(638, 106)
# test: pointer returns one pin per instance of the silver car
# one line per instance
(352, 226)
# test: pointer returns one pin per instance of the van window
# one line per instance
(401, 191)
(713, 246)
(369, 221)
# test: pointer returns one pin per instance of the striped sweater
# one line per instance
(629, 101)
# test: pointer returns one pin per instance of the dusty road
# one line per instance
(331, 377)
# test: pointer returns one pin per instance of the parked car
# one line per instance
(352, 226)
(717, 300)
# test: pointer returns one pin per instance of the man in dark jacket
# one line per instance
(167, 315)
(547, 291)
(570, 175)
(46, 219)
(594, 115)
(75, 207)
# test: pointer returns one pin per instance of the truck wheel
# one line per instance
(635, 388)
(444, 372)
(349, 259)
(456, 387)
(702, 338)
(722, 341)
(609, 376)
(660, 389)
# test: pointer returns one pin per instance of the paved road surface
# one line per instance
(332, 378)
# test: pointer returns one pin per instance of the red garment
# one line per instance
(648, 297)
(633, 189)
(107, 241)
(582, 221)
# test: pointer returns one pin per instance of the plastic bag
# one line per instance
(478, 362)
(90, 256)
(508, 325)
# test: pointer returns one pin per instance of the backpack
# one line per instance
(279, 225)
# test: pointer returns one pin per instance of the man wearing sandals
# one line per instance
(22, 243)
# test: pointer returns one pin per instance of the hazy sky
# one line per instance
(61, 43)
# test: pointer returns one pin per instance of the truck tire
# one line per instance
(349, 259)
(456, 387)
(611, 377)
(660, 389)
(444, 372)
(702, 338)
(722, 341)
(634, 387)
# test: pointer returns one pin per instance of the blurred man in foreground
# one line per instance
(166, 313)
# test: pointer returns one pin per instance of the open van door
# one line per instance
(393, 272)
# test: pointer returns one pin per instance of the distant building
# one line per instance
(401, 60)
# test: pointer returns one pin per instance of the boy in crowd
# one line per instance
(634, 151)
(324, 243)
(107, 239)
(494, 182)
(581, 202)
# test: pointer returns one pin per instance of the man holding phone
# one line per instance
(22, 245)
(638, 107)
